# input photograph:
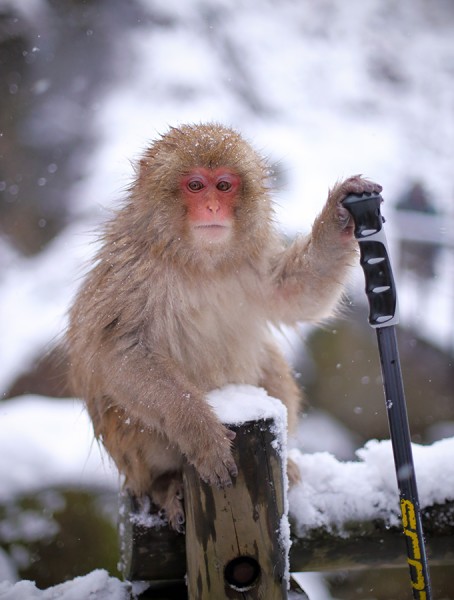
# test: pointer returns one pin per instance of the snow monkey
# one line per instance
(190, 275)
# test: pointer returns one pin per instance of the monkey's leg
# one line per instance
(150, 464)
(278, 381)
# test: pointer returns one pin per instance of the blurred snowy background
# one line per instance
(323, 89)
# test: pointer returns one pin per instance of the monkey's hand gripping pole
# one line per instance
(382, 297)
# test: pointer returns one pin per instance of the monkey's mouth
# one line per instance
(212, 231)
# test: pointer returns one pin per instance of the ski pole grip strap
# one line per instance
(374, 257)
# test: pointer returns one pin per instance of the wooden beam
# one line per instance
(149, 549)
(373, 544)
(154, 555)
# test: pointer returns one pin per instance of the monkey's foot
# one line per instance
(167, 492)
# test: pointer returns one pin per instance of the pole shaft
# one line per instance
(403, 459)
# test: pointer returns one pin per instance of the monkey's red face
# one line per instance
(210, 196)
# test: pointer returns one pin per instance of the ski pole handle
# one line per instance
(374, 257)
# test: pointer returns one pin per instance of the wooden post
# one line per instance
(234, 537)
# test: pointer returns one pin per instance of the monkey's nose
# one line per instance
(213, 206)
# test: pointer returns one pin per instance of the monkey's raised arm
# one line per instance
(308, 276)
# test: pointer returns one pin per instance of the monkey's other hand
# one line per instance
(214, 461)
(352, 185)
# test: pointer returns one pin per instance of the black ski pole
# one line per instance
(382, 297)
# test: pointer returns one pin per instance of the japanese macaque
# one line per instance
(189, 277)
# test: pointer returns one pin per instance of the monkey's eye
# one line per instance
(224, 186)
(195, 185)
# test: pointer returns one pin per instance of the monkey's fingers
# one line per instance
(360, 185)
(352, 185)
(221, 475)
(232, 468)
(344, 217)
(176, 520)
(225, 478)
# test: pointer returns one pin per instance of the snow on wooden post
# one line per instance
(236, 538)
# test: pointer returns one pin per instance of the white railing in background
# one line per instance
(426, 302)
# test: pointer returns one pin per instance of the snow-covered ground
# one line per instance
(96, 585)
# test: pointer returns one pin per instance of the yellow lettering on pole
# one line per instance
(414, 542)
(419, 584)
(408, 514)
(409, 524)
